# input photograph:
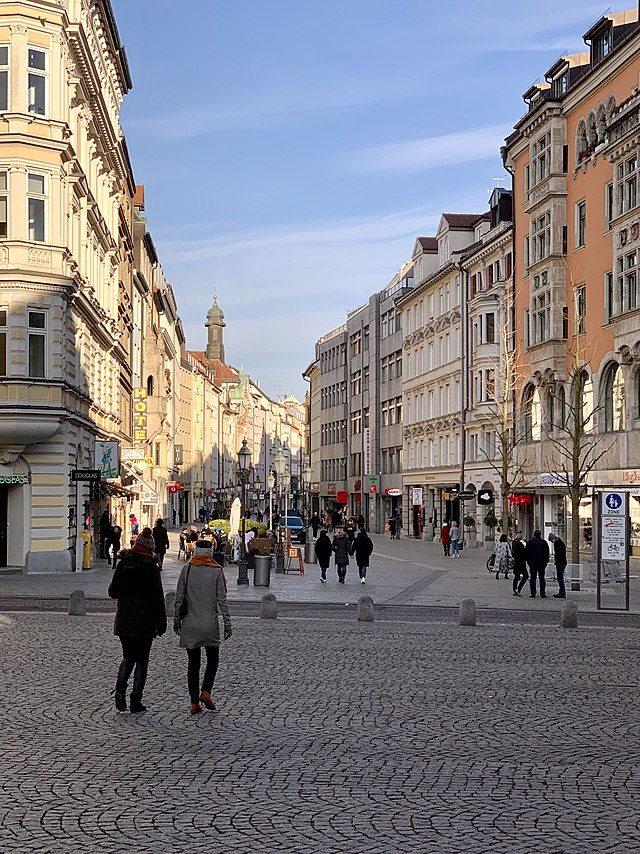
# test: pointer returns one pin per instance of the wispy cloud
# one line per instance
(275, 107)
(430, 152)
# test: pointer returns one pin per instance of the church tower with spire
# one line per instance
(215, 324)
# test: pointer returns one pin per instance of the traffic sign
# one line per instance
(614, 504)
(85, 474)
(485, 496)
(614, 539)
(466, 496)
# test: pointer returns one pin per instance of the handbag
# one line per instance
(184, 605)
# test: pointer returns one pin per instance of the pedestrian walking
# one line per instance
(393, 527)
(340, 548)
(161, 538)
(327, 519)
(315, 523)
(105, 533)
(350, 529)
(560, 560)
(201, 592)
(114, 544)
(140, 616)
(360, 521)
(362, 547)
(537, 552)
(323, 550)
(135, 529)
(520, 574)
(454, 536)
(503, 557)
(182, 544)
(445, 539)
(336, 521)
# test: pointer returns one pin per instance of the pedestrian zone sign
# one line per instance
(614, 504)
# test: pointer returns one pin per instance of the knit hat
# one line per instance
(203, 547)
(145, 540)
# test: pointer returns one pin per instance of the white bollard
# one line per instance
(268, 607)
(467, 613)
(569, 616)
(365, 610)
(77, 604)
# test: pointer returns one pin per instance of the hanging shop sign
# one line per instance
(366, 450)
(106, 458)
(132, 455)
(85, 474)
(140, 416)
(416, 495)
(393, 491)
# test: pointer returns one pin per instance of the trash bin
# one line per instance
(310, 553)
(262, 571)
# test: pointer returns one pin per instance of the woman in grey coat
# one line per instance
(341, 548)
(203, 587)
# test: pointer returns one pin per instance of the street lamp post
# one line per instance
(271, 482)
(280, 466)
(286, 482)
(244, 470)
(306, 473)
(257, 485)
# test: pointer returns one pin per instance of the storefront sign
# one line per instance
(140, 416)
(20, 479)
(85, 474)
(366, 450)
(105, 458)
(331, 489)
(393, 491)
(632, 476)
(416, 495)
(555, 480)
(132, 455)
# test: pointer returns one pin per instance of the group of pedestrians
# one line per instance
(529, 561)
(450, 539)
(141, 617)
(346, 543)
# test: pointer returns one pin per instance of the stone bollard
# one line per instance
(169, 603)
(268, 607)
(569, 616)
(365, 610)
(467, 613)
(77, 604)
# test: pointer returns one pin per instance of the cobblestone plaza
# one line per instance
(331, 736)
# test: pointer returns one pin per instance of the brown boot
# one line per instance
(195, 708)
(207, 702)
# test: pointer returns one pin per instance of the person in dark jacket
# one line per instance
(323, 551)
(140, 616)
(362, 547)
(114, 542)
(161, 539)
(520, 574)
(361, 522)
(350, 530)
(537, 552)
(315, 524)
(560, 558)
(340, 547)
(105, 533)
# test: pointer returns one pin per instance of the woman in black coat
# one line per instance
(362, 547)
(520, 574)
(341, 549)
(323, 551)
(140, 616)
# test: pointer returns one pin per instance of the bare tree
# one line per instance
(508, 373)
(577, 448)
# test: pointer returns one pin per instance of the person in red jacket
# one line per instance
(445, 539)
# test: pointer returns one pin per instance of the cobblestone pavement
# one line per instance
(331, 736)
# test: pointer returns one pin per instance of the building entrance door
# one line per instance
(4, 500)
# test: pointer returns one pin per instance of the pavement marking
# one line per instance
(414, 589)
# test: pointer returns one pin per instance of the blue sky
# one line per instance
(291, 151)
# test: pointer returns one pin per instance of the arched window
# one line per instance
(581, 140)
(560, 406)
(586, 411)
(601, 123)
(615, 403)
(531, 414)
(611, 106)
(149, 386)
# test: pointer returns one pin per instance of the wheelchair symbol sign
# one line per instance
(613, 504)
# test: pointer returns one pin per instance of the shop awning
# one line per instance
(106, 488)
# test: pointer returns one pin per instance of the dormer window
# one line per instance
(601, 45)
(561, 83)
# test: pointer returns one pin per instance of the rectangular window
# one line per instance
(4, 205)
(37, 334)
(542, 158)
(542, 312)
(542, 236)
(601, 45)
(3, 342)
(526, 253)
(581, 224)
(356, 343)
(581, 308)
(608, 296)
(4, 78)
(490, 328)
(608, 206)
(37, 81)
(36, 206)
